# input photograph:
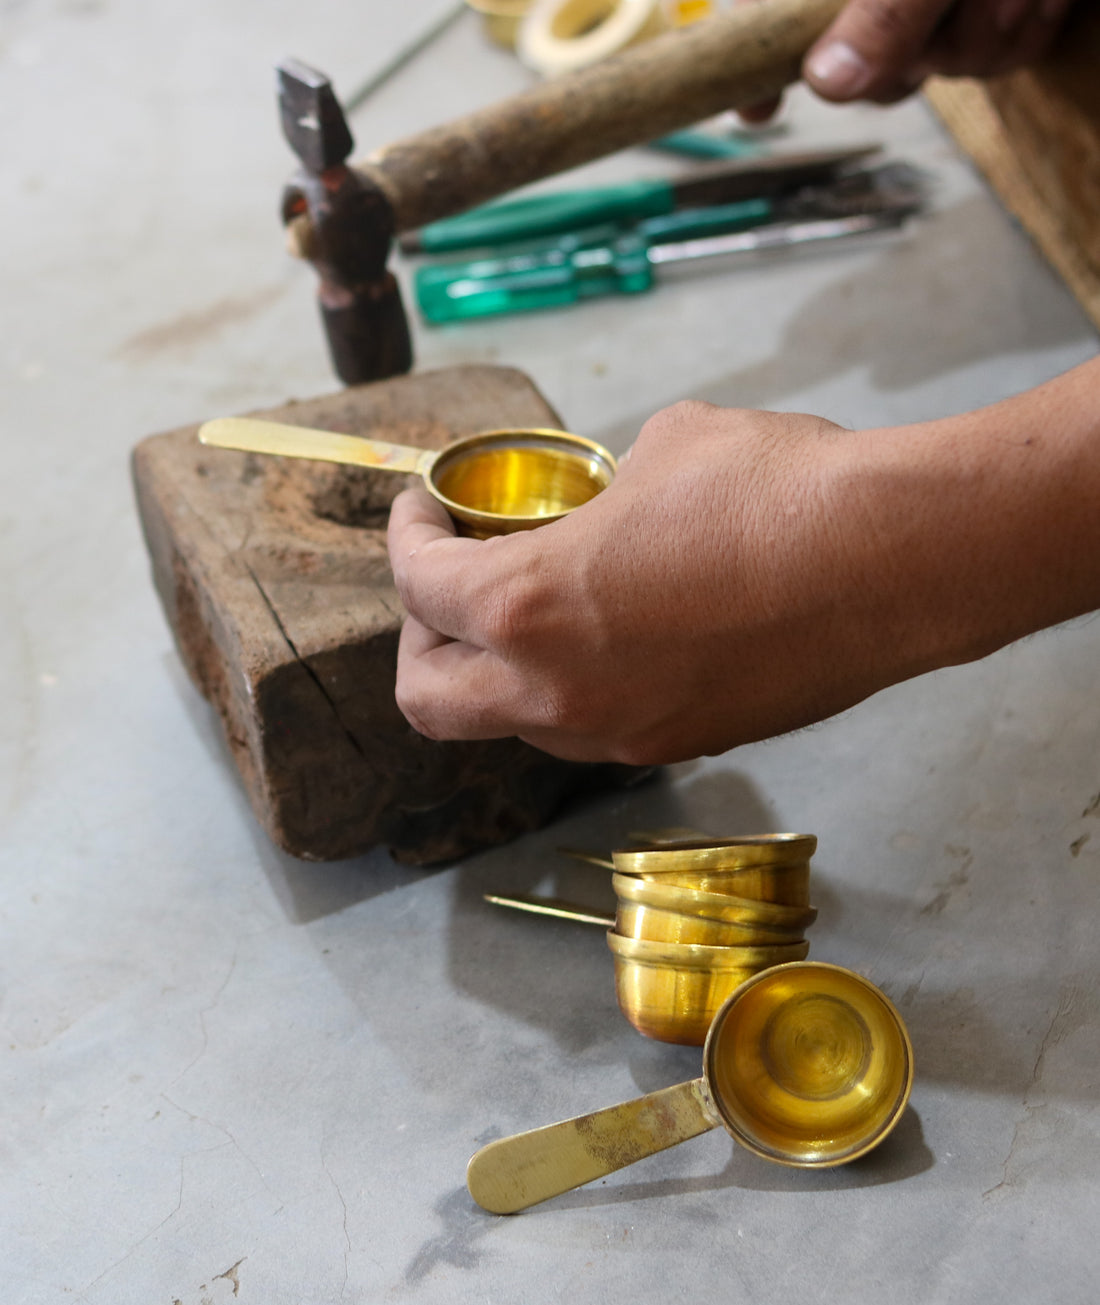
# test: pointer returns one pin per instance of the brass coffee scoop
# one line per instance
(493, 483)
(806, 1064)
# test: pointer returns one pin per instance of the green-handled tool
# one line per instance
(485, 288)
(534, 216)
(604, 260)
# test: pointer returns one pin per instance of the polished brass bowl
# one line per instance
(671, 991)
(635, 919)
(500, 482)
(805, 1064)
(665, 895)
(492, 483)
(809, 1065)
(680, 855)
(769, 868)
(785, 885)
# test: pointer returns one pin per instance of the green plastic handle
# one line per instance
(703, 145)
(582, 265)
(547, 215)
(716, 220)
(528, 282)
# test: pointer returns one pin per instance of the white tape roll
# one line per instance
(559, 35)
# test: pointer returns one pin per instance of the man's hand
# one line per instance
(704, 599)
(882, 50)
(748, 573)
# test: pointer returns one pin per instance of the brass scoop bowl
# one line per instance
(672, 991)
(805, 1064)
(771, 867)
(494, 483)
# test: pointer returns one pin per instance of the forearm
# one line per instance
(748, 573)
(981, 528)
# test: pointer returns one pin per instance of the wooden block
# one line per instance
(274, 577)
(1035, 134)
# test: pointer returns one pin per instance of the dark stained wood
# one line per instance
(1035, 134)
(274, 577)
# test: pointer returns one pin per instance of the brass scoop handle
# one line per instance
(553, 906)
(251, 435)
(516, 1172)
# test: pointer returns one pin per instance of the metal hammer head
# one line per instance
(343, 224)
(313, 122)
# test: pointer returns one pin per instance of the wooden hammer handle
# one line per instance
(737, 58)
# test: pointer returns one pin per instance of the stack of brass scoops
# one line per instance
(696, 918)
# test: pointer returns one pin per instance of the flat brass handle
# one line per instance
(515, 1172)
(250, 435)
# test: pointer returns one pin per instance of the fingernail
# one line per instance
(839, 69)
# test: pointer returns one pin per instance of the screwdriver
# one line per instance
(606, 260)
(533, 216)
(449, 293)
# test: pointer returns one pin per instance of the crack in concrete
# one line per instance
(216, 996)
(1055, 1032)
(141, 1240)
(344, 1207)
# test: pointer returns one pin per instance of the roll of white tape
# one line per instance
(557, 36)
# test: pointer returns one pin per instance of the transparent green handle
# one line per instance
(577, 267)
(546, 215)
(528, 282)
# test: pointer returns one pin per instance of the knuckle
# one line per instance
(512, 612)
(682, 415)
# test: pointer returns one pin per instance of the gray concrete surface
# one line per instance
(229, 1076)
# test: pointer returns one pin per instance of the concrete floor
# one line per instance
(231, 1076)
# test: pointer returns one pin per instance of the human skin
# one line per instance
(748, 573)
(882, 50)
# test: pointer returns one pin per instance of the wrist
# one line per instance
(973, 531)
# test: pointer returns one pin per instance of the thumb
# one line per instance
(873, 47)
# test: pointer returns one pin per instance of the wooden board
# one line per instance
(274, 577)
(1035, 134)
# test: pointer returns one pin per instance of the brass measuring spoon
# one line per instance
(493, 483)
(806, 1064)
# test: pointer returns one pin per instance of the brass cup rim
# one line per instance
(887, 1020)
(642, 920)
(747, 851)
(697, 901)
(703, 956)
(560, 443)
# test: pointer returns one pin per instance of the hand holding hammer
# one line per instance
(343, 218)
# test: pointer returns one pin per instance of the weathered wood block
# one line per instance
(1035, 134)
(274, 577)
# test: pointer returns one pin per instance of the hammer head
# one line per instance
(313, 121)
(349, 232)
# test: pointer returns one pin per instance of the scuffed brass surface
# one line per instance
(805, 1064)
(515, 1172)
